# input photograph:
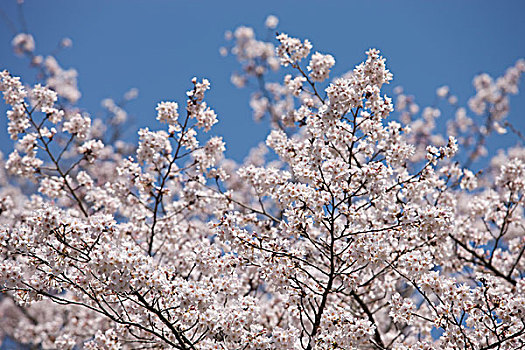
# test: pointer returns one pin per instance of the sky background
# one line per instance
(157, 46)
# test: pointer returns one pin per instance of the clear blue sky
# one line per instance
(157, 46)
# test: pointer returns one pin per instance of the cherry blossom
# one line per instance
(354, 225)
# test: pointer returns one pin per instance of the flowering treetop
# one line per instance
(365, 232)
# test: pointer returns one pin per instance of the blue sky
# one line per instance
(157, 46)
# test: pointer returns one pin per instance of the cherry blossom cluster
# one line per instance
(355, 225)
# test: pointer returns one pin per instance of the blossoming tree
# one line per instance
(365, 230)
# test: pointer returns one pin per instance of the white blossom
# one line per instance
(345, 230)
